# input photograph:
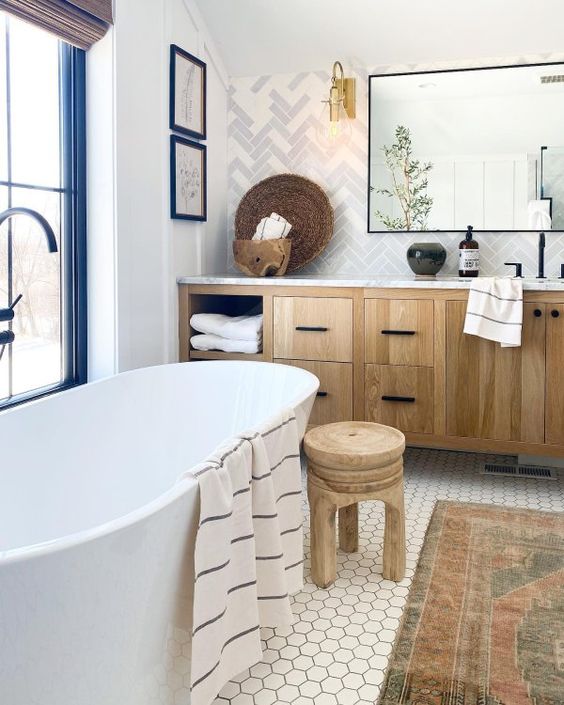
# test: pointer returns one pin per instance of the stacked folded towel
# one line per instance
(274, 227)
(227, 333)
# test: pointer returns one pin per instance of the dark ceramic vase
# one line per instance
(426, 258)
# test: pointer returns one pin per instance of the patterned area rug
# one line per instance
(484, 622)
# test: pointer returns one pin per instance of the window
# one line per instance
(42, 166)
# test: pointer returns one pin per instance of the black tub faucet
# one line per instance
(542, 243)
(7, 314)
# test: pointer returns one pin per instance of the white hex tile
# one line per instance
(274, 681)
(296, 677)
(288, 693)
(282, 666)
(337, 651)
(310, 688)
(251, 686)
(323, 659)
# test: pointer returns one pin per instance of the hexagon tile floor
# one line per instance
(337, 651)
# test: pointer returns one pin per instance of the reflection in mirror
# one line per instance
(482, 147)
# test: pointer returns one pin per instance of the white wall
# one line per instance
(135, 250)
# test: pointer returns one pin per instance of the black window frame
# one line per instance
(74, 332)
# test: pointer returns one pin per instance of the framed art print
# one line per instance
(187, 93)
(188, 192)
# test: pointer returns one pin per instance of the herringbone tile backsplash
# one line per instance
(272, 126)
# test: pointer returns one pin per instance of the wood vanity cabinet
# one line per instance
(399, 356)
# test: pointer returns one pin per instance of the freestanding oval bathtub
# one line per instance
(97, 532)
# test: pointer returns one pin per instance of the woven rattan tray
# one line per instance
(302, 202)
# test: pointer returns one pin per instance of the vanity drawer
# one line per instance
(308, 328)
(399, 332)
(400, 396)
(334, 398)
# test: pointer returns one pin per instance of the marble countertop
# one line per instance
(377, 281)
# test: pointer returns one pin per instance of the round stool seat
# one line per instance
(357, 448)
(348, 463)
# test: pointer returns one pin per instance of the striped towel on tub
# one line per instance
(495, 310)
(249, 552)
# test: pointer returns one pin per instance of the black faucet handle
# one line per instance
(7, 314)
(16, 301)
(562, 271)
(518, 268)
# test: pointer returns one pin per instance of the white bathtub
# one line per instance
(97, 535)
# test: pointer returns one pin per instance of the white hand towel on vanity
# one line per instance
(495, 310)
(249, 552)
(234, 327)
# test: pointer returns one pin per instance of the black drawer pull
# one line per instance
(555, 313)
(537, 312)
(322, 394)
(398, 332)
(409, 400)
(313, 329)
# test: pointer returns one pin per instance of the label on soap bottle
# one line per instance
(469, 260)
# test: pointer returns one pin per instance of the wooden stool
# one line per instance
(350, 462)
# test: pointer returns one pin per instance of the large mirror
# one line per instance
(482, 147)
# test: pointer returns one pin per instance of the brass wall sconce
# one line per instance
(334, 126)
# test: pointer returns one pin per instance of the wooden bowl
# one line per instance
(262, 258)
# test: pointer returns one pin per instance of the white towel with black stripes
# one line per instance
(495, 310)
(249, 552)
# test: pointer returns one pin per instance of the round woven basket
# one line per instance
(302, 202)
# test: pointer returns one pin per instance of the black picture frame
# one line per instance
(176, 122)
(182, 168)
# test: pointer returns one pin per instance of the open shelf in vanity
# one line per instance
(229, 304)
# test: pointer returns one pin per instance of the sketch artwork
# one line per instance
(188, 180)
(187, 93)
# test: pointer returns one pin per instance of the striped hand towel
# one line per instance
(248, 555)
(495, 310)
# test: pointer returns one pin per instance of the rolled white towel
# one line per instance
(232, 327)
(215, 342)
(274, 227)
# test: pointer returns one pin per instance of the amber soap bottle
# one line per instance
(469, 256)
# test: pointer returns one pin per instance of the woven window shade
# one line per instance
(78, 22)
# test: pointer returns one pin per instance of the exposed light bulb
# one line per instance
(334, 128)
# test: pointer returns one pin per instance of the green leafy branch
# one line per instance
(409, 184)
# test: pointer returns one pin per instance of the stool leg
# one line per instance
(323, 540)
(394, 536)
(348, 528)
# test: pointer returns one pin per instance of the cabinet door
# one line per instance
(399, 332)
(554, 374)
(495, 392)
(334, 400)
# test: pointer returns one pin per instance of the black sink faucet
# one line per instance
(7, 314)
(542, 243)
